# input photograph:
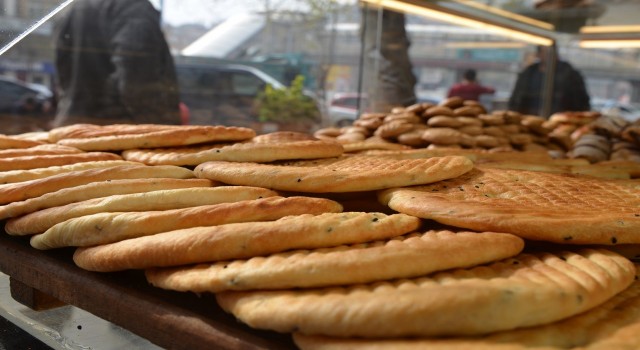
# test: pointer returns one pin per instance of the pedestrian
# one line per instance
(469, 88)
(114, 65)
(569, 93)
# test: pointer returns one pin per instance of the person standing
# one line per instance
(114, 65)
(469, 88)
(569, 92)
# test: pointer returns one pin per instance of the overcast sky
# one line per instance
(208, 12)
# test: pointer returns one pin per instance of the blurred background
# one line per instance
(353, 56)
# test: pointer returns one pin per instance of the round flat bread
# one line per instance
(406, 256)
(243, 240)
(170, 137)
(9, 142)
(38, 151)
(500, 296)
(612, 325)
(103, 228)
(33, 174)
(96, 190)
(47, 160)
(260, 152)
(42, 220)
(370, 145)
(20, 191)
(83, 130)
(344, 174)
(532, 205)
(283, 136)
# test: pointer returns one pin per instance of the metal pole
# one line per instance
(363, 45)
(549, 81)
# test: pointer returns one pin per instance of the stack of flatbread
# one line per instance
(23, 154)
(381, 249)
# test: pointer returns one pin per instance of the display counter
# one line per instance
(130, 313)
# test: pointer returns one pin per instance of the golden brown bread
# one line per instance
(612, 325)
(260, 152)
(411, 255)
(47, 160)
(163, 199)
(20, 191)
(345, 174)
(96, 190)
(532, 205)
(9, 142)
(117, 138)
(243, 240)
(500, 296)
(109, 227)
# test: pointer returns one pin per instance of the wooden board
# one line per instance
(168, 319)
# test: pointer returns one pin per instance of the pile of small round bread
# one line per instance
(459, 123)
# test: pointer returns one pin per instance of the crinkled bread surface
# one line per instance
(411, 255)
(259, 152)
(109, 227)
(42, 220)
(524, 291)
(26, 162)
(244, 240)
(614, 324)
(34, 188)
(534, 205)
(122, 137)
(96, 189)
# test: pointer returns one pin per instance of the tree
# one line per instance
(387, 70)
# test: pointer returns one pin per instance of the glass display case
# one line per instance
(353, 56)
(300, 66)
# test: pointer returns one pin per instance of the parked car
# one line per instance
(343, 108)
(218, 93)
(20, 98)
(24, 108)
(628, 111)
(222, 94)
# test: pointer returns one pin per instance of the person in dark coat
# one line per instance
(569, 90)
(114, 65)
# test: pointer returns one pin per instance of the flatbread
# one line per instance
(369, 145)
(8, 142)
(84, 130)
(558, 168)
(260, 152)
(97, 190)
(42, 220)
(538, 157)
(344, 174)
(283, 136)
(412, 255)
(532, 205)
(103, 228)
(524, 291)
(421, 153)
(38, 150)
(176, 136)
(38, 136)
(243, 240)
(20, 191)
(612, 325)
(33, 174)
(47, 160)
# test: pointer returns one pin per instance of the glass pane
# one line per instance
(337, 47)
